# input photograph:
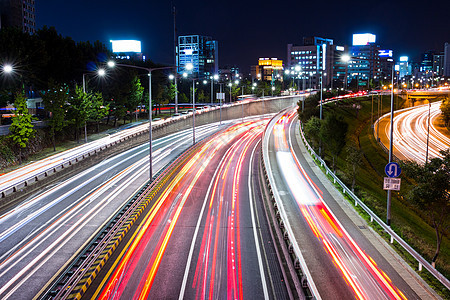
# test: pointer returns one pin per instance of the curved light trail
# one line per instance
(411, 130)
(362, 275)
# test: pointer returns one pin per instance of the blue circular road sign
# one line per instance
(392, 170)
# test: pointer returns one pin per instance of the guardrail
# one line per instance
(307, 283)
(373, 217)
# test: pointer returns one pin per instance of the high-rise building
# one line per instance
(201, 51)
(438, 64)
(18, 13)
(364, 64)
(315, 60)
(387, 62)
(447, 60)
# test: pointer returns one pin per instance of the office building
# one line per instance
(387, 62)
(268, 69)
(18, 13)
(201, 51)
(364, 64)
(438, 64)
(315, 59)
(447, 60)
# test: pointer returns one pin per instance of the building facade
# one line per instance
(201, 51)
(18, 13)
(446, 60)
(268, 69)
(364, 65)
(313, 61)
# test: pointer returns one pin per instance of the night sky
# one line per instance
(247, 30)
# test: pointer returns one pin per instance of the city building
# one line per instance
(227, 73)
(268, 69)
(201, 51)
(314, 59)
(18, 13)
(446, 70)
(364, 63)
(387, 62)
(438, 64)
(404, 67)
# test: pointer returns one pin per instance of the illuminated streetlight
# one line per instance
(149, 70)
(7, 68)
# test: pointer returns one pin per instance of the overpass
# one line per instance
(418, 97)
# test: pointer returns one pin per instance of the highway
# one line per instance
(411, 130)
(39, 235)
(342, 263)
(204, 236)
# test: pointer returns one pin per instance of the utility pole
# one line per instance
(175, 56)
(391, 150)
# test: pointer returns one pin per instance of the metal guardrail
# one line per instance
(394, 236)
(300, 263)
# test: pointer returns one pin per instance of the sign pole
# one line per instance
(391, 146)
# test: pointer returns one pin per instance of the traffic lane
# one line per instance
(175, 194)
(224, 261)
(353, 230)
(411, 130)
(327, 278)
(53, 202)
(59, 254)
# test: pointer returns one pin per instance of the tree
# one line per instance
(79, 110)
(135, 96)
(21, 127)
(354, 161)
(431, 193)
(445, 108)
(312, 130)
(99, 109)
(55, 102)
(332, 133)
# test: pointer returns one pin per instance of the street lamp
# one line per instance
(101, 72)
(189, 67)
(215, 77)
(7, 69)
(112, 64)
(346, 59)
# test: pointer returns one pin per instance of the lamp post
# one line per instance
(391, 149)
(101, 72)
(112, 64)
(215, 77)
(428, 131)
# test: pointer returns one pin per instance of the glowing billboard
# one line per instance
(121, 46)
(361, 39)
(404, 58)
(385, 53)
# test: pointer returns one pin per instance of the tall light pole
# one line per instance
(428, 131)
(112, 64)
(215, 77)
(101, 72)
(391, 149)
